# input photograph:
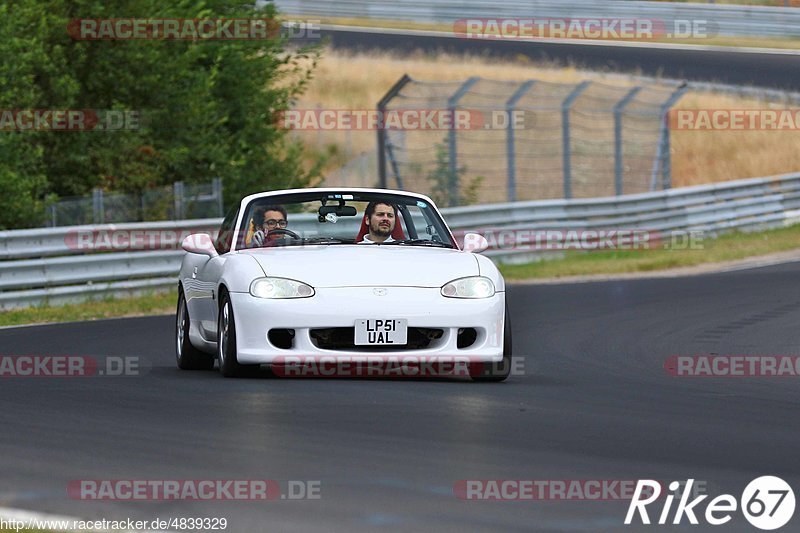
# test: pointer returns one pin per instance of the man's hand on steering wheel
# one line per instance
(282, 231)
(260, 238)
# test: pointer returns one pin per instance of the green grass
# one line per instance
(728, 247)
(149, 304)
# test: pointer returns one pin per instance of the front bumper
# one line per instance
(341, 307)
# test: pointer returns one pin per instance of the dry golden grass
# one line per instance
(348, 81)
(359, 80)
(713, 156)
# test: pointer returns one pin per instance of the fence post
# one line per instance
(663, 158)
(452, 102)
(177, 196)
(98, 214)
(510, 140)
(565, 136)
(216, 185)
(619, 107)
(395, 168)
(388, 97)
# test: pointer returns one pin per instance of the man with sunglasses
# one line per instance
(273, 217)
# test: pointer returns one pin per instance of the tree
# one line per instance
(206, 108)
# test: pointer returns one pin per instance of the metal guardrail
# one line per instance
(726, 20)
(66, 240)
(59, 265)
(743, 205)
(42, 266)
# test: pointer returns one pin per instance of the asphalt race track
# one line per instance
(594, 403)
(776, 71)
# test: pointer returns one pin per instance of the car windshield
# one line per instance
(339, 218)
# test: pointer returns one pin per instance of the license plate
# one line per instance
(381, 332)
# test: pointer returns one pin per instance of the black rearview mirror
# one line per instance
(338, 210)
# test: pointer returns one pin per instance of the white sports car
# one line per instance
(338, 273)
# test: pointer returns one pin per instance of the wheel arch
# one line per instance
(222, 288)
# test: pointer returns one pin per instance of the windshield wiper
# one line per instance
(423, 242)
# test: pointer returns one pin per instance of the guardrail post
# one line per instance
(565, 136)
(177, 194)
(452, 102)
(510, 140)
(98, 214)
(618, 109)
(388, 97)
(663, 159)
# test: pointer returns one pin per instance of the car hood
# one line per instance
(366, 265)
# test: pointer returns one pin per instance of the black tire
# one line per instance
(226, 340)
(496, 372)
(187, 356)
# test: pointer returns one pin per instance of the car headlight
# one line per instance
(280, 288)
(473, 287)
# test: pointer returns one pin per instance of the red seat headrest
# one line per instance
(397, 232)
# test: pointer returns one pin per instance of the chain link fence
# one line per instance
(528, 140)
(178, 202)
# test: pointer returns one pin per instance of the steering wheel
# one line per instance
(282, 231)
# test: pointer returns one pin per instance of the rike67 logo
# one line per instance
(767, 503)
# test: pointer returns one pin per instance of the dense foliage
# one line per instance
(207, 108)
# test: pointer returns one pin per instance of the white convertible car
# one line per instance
(339, 272)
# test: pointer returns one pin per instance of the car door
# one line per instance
(207, 275)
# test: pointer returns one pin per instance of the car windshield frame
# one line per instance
(427, 208)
